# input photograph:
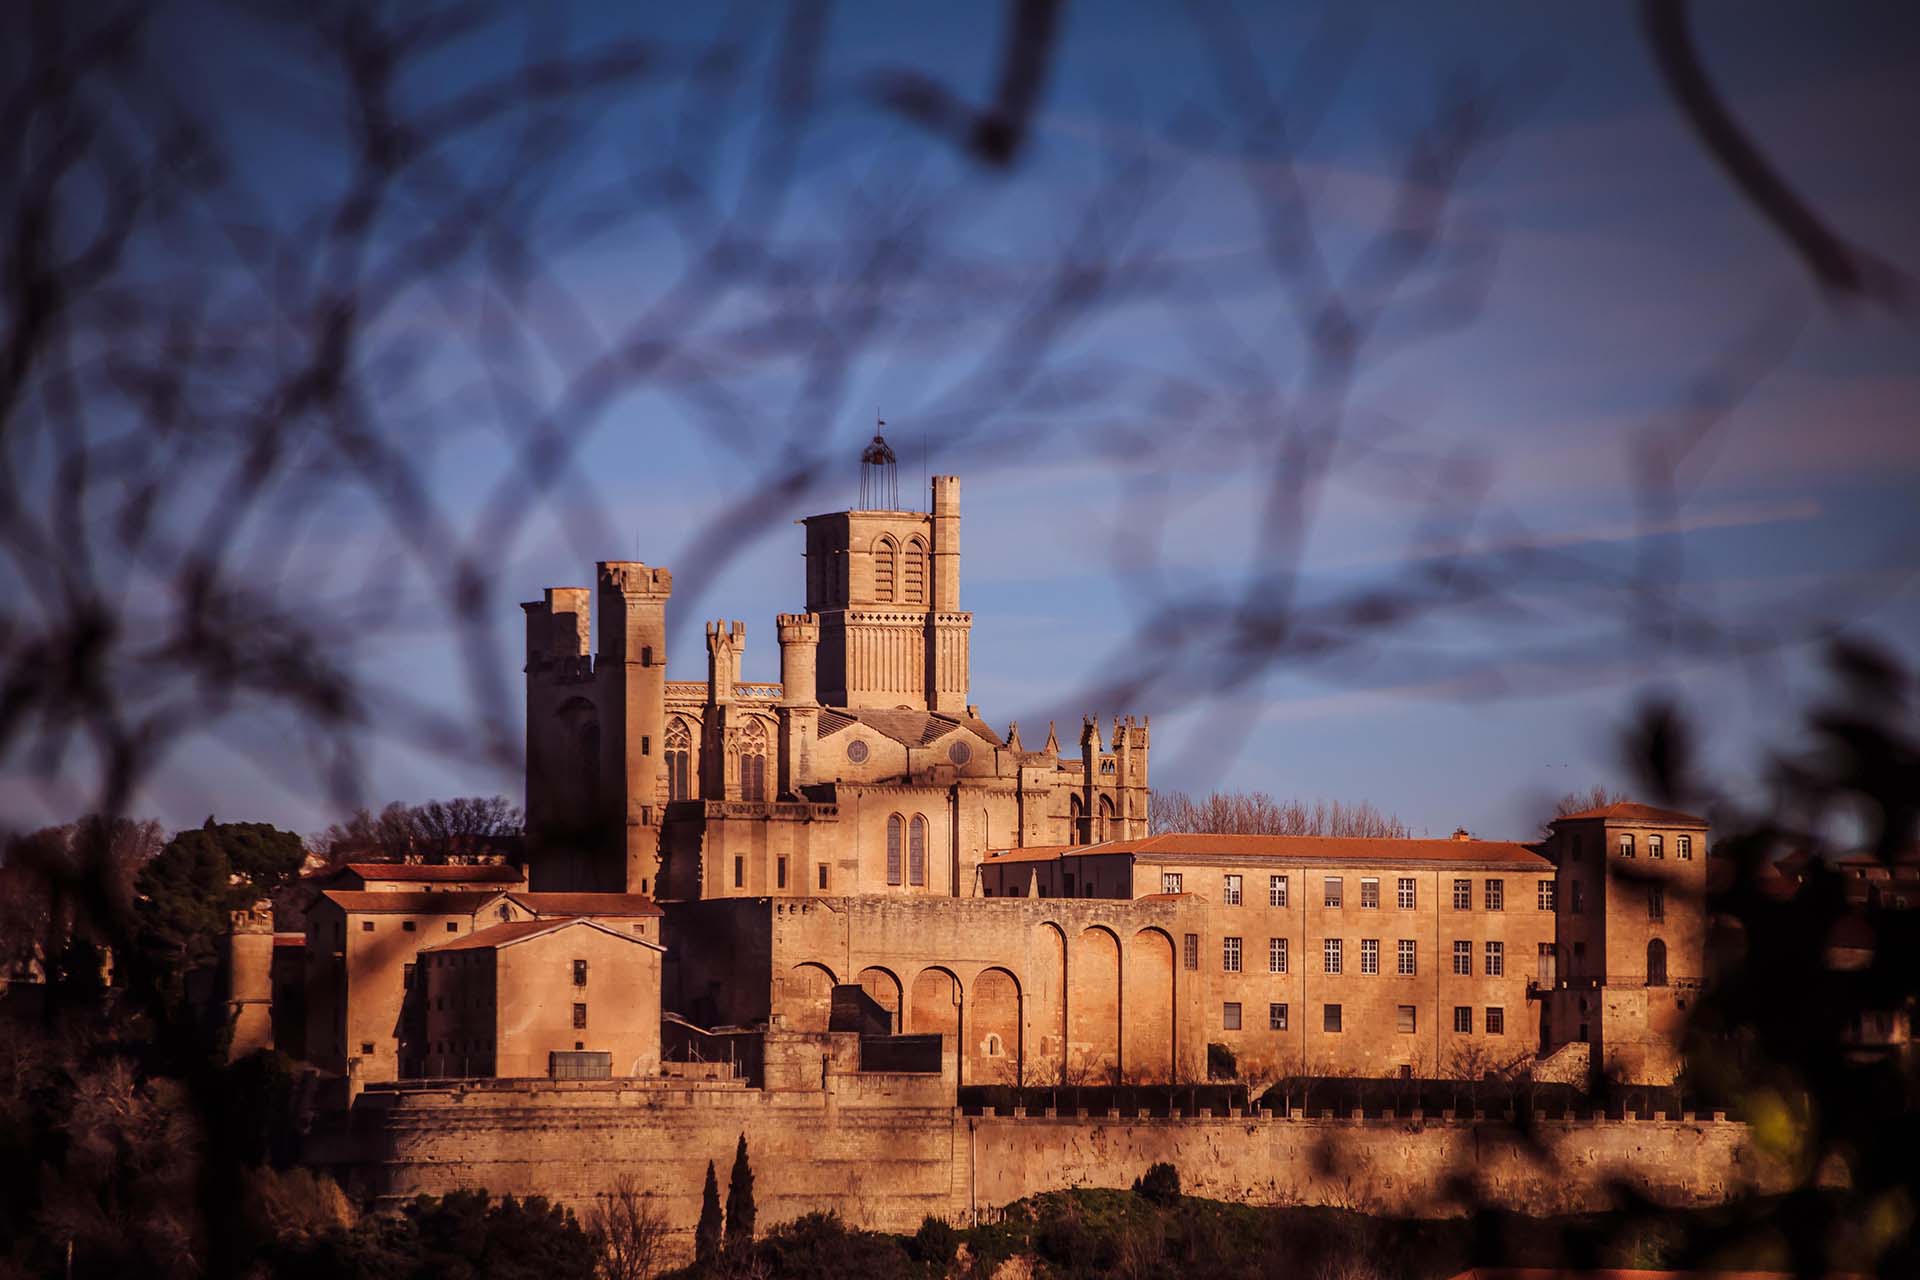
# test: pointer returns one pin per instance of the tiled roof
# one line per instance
(913, 728)
(457, 902)
(1348, 849)
(501, 935)
(420, 873)
(1042, 853)
(1628, 811)
(587, 904)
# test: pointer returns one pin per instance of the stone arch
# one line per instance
(1076, 821)
(750, 751)
(1093, 1007)
(806, 1001)
(886, 568)
(992, 1053)
(678, 744)
(917, 851)
(1656, 963)
(884, 986)
(1109, 820)
(935, 1002)
(1045, 1005)
(1148, 1052)
(896, 842)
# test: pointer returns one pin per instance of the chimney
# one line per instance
(1461, 833)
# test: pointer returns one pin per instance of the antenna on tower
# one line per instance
(879, 478)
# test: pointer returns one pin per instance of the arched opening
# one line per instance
(1093, 1008)
(806, 997)
(1076, 821)
(1109, 828)
(914, 572)
(886, 555)
(1147, 1016)
(896, 834)
(751, 767)
(992, 1046)
(1046, 999)
(917, 851)
(933, 1007)
(885, 990)
(1656, 963)
(679, 745)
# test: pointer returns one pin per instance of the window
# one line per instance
(1656, 902)
(1230, 955)
(917, 850)
(1406, 1019)
(453, 926)
(679, 744)
(1463, 895)
(1331, 892)
(1330, 955)
(646, 655)
(1496, 895)
(1369, 955)
(1626, 844)
(406, 977)
(1170, 882)
(406, 926)
(753, 761)
(1369, 893)
(1656, 846)
(780, 872)
(579, 973)
(1408, 956)
(1330, 1017)
(823, 875)
(1276, 955)
(1230, 891)
(1276, 891)
(1276, 1017)
(1230, 1015)
(1543, 895)
(1579, 965)
(884, 553)
(1576, 902)
(915, 577)
(739, 871)
(1190, 953)
(366, 926)
(1656, 963)
(579, 1016)
(1463, 1019)
(1496, 1020)
(1463, 957)
(896, 836)
(1496, 959)
(366, 1047)
(1407, 900)
(646, 745)
(1546, 966)
(1683, 848)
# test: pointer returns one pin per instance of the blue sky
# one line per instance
(1618, 266)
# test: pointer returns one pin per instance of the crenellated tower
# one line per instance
(799, 701)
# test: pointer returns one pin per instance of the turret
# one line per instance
(726, 641)
(631, 675)
(799, 706)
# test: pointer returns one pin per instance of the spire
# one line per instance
(1013, 736)
(1053, 741)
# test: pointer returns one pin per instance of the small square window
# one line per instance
(1463, 895)
(579, 1016)
(1406, 1019)
(366, 1048)
(406, 926)
(366, 926)
(1276, 1017)
(1230, 1015)
(1496, 1020)
(1463, 1019)
(1330, 1017)
(1369, 893)
(453, 926)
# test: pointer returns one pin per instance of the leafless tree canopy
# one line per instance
(1257, 813)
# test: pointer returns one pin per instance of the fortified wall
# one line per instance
(886, 1149)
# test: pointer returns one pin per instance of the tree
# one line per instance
(706, 1236)
(185, 896)
(436, 831)
(629, 1230)
(740, 1211)
(1258, 813)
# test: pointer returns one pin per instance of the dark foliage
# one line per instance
(740, 1212)
(1221, 1062)
(706, 1236)
(462, 1235)
(936, 1241)
(186, 895)
(1160, 1183)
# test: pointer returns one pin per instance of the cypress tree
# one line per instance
(706, 1237)
(740, 1211)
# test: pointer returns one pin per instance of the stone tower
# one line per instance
(799, 698)
(886, 588)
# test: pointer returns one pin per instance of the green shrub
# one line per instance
(1160, 1184)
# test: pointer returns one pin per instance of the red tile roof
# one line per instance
(587, 904)
(1346, 849)
(501, 935)
(454, 903)
(421, 873)
(1628, 811)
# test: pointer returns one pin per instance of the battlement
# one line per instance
(631, 577)
(798, 628)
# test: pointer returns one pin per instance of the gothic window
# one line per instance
(679, 742)
(753, 761)
(1077, 821)
(1656, 963)
(896, 833)
(915, 572)
(1109, 825)
(885, 554)
(917, 851)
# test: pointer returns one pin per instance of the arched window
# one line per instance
(915, 575)
(1656, 963)
(894, 834)
(679, 742)
(753, 761)
(886, 554)
(917, 851)
(1076, 822)
(1109, 828)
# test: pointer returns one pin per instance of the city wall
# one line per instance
(884, 1150)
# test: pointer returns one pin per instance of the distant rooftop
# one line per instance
(1628, 811)
(1351, 849)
